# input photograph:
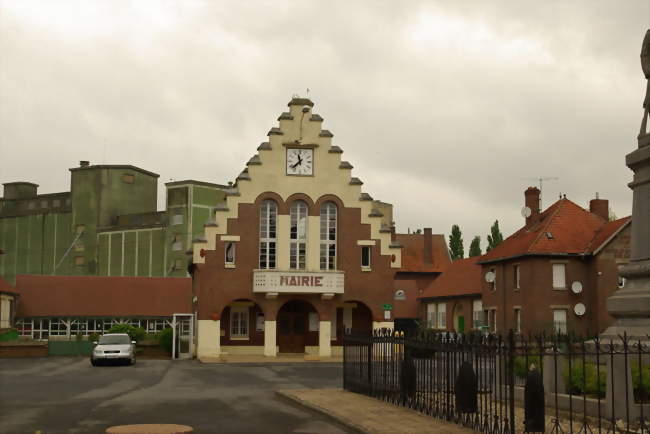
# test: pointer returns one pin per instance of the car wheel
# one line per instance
(93, 362)
(133, 361)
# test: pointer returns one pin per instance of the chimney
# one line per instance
(428, 246)
(600, 207)
(84, 163)
(532, 201)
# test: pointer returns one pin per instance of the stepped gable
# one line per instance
(462, 277)
(266, 172)
(563, 228)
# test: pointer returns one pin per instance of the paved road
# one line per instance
(61, 394)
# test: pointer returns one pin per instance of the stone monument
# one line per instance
(630, 306)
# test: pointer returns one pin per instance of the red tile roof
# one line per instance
(63, 296)
(463, 277)
(413, 253)
(572, 229)
(6, 288)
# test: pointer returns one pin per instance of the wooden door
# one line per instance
(292, 328)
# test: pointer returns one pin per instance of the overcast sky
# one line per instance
(446, 109)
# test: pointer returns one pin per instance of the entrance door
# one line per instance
(292, 326)
(183, 336)
(461, 324)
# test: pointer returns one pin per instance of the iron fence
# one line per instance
(506, 384)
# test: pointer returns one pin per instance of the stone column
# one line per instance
(270, 346)
(208, 334)
(325, 339)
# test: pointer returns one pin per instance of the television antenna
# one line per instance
(541, 181)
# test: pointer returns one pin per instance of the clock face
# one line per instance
(300, 161)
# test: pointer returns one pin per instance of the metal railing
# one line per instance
(506, 384)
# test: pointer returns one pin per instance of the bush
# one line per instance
(522, 368)
(9, 335)
(641, 383)
(585, 380)
(135, 333)
(93, 337)
(165, 338)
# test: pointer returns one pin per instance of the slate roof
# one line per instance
(413, 253)
(63, 296)
(463, 277)
(564, 228)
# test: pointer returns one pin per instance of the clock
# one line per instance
(300, 161)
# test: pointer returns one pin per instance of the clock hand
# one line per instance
(293, 166)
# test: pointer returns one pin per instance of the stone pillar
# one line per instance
(554, 369)
(208, 334)
(270, 346)
(324, 339)
(616, 392)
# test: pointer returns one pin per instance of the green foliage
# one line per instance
(522, 368)
(93, 337)
(9, 335)
(495, 238)
(456, 249)
(585, 380)
(165, 339)
(135, 333)
(475, 247)
(79, 337)
(641, 382)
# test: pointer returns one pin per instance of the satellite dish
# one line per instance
(400, 295)
(490, 276)
(526, 211)
(576, 287)
(579, 309)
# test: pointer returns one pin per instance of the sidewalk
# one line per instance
(369, 415)
(293, 358)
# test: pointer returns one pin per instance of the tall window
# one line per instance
(477, 313)
(518, 320)
(328, 236)
(298, 248)
(559, 278)
(268, 241)
(442, 315)
(559, 320)
(516, 275)
(239, 322)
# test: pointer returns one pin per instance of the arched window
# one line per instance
(328, 236)
(298, 248)
(268, 237)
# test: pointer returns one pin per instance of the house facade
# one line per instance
(557, 271)
(298, 252)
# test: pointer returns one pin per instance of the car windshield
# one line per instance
(114, 340)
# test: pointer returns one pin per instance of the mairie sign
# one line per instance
(298, 282)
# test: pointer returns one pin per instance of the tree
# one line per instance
(495, 238)
(456, 249)
(612, 215)
(475, 247)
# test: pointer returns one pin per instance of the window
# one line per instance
(268, 219)
(56, 203)
(230, 253)
(177, 219)
(41, 329)
(78, 327)
(491, 316)
(128, 178)
(477, 314)
(559, 279)
(298, 248)
(95, 326)
(24, 327)
(365, 256)
(516, 276)
(621, 282)
(518, 320)
(442, 316)
(431, 315)
(43, 204)
(58, 327)
(31, 205)
(239, 322)
(328, 236)
(559, 320)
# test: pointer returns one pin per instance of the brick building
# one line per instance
(452, 302)
(298, 252)
(557, 271)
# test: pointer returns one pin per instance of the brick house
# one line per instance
(452, 302)
(557, 271)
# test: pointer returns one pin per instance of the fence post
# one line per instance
(511, 379)
(370, 344)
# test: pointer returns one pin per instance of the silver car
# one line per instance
(113, 347)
